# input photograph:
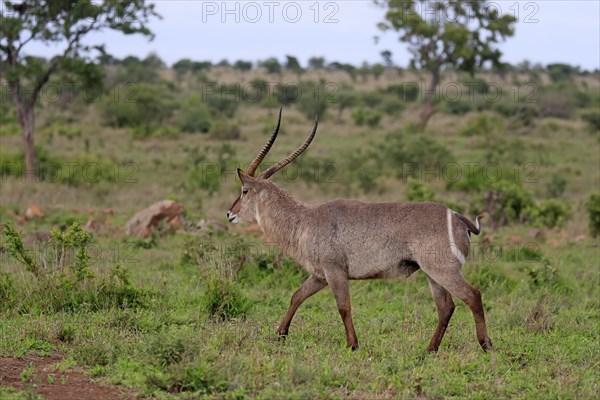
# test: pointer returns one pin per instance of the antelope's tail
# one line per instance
(473, 227)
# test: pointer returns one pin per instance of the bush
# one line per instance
(225, 131)
(67, 283)
(224, 300)
(313, 102)
(476, 85)
(360, 116)
(507, 201)
(391, 106)
(592, 118)
(593, 207)
(225, 102)
(146, 108)
(519, 112)
(484, 125)
(406, 92)
(408, 147)
(194, 115)
(417, 191)
(550, 213)
(558, 101)
(458, 107)
(557, 185)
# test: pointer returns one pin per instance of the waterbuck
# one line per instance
(346, 239)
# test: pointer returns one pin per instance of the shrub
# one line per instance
(550, 213)
(194, 115)
(519, 112)
(360, 116)
(593, 207)
(371, 99)
(346, 98)
(406, 92)
(557, 185)
(224, 300)
(484, 124)
(392, 106)
(407, 147)
(225, 102)
(66, 283)
(143, 109)
(458, 107)
(476, 85)
(558, 100)
(592, 118)
(507, 201)
(224, 130)
(313, 102)
(417, 191)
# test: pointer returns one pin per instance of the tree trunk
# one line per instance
(28, 144)
(428, 107)
(26, 115)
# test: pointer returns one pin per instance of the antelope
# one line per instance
(347, 239)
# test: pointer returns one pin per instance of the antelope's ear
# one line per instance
(247, 180)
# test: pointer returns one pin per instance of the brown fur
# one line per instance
(346, 239)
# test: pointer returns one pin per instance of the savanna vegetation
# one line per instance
(192, 312)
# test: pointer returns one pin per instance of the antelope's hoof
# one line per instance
(353, 346)
(282, 334)
(486, 345)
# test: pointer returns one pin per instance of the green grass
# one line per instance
(177, 320)
(545, 332)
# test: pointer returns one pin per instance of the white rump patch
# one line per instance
(453, 247)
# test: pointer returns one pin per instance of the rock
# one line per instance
(33, 211)
(536, 234)
(95, 225)
(144, 222)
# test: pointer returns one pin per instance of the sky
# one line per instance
(547, 32)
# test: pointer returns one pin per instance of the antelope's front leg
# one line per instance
(338, 280)
(311, 286)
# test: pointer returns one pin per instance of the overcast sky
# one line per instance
(547, 32)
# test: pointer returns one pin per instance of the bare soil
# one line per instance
(71, 384)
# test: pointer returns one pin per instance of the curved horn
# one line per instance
(258, 159)
(276, 167)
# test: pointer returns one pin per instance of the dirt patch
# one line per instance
(51, 384)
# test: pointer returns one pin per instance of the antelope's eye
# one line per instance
(244, 190)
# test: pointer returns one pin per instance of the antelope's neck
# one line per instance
(281, 218)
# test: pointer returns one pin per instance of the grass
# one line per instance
(188, 316)
(544, 328)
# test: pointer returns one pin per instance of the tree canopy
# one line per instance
(462, 34)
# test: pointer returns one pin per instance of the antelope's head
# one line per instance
(243, 208)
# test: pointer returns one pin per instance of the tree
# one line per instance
(243, 65)
(461, 34)
(272, 65)
(387, 58)
(316, 62)
(293, 65)
(64, 22)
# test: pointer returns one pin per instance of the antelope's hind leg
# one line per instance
(452, 279)
(311, 286)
